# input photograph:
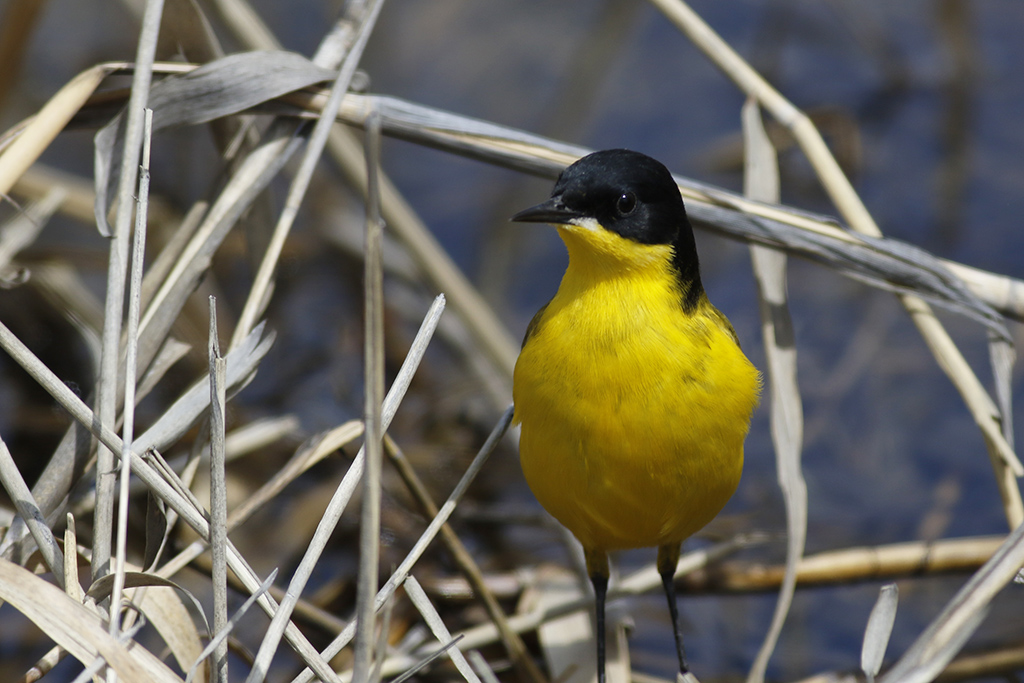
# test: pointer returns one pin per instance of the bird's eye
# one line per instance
(625, 204)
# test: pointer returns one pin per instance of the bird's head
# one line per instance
(622, 207)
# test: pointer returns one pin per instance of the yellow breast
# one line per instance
(633, 412)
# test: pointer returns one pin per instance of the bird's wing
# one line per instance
(723, 322)
(534, 323)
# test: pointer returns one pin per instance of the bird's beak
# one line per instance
(552, 211)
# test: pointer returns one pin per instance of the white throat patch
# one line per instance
(587, 224)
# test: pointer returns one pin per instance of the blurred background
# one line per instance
(921, 101)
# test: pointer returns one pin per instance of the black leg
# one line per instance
(668, 558)
(597, 567)
(600, 591)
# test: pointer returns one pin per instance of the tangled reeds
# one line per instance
(225, 511)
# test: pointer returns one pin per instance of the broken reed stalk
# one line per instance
(535, 154)
(110, 358)
(851, 565)
(529, 153)
(131, 361)
(218, 496)
(373, 382)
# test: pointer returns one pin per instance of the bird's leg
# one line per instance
(668, 558)
(597, 567)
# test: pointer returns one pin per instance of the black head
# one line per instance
(627, 193)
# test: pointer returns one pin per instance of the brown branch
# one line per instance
(899, 560)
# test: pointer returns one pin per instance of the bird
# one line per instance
(631, 392)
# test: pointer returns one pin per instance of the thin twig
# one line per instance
(373, 380)
(489, 332)
(218, 497)
(71, 585)
(110, 358)
(131, 357)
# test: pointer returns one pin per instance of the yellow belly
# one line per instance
(633, 415)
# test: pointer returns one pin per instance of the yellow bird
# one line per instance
(631, 390)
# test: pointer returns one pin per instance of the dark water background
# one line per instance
(929, 96)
